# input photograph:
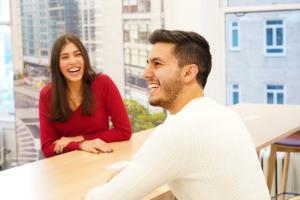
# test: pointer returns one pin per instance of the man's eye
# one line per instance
(156, 63)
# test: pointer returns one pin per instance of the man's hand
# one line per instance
(64, 141)
(95, 146)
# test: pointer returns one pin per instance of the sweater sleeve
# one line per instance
(48, 132)
(115, 107)
(159, 161)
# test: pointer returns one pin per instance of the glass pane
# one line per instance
(273, 22)
(6, 71)
(234, 24)
(280, 50)
(235, 38)
(4, 11)
(275, 87)
(127, 56)
(279, 36)
(279, 98)
(142, 58)
(134, 57)
(270, 98)
(235, 98)
(269, 36)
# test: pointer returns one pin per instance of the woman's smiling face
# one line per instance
(71, 63)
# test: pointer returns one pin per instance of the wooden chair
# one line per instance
(287, 145)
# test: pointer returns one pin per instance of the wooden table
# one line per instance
(71, 175)
(67, 176)
(268, 123)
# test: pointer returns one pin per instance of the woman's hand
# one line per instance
(95, 146)
(64, 141)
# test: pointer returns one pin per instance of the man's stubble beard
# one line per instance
(171, 90)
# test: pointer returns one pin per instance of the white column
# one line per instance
(207, 19)
(16, 36)
(113, 42)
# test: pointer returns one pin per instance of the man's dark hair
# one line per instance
(190, 48)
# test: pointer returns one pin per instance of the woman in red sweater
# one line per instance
(76, 107)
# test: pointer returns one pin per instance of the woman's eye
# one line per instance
(64, 57)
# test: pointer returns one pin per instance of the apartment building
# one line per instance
(262, 53)
(140, 18)
(42, 22)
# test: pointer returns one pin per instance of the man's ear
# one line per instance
(190, 73)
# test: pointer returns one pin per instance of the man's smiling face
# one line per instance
(163, 75)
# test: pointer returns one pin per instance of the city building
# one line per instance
(262, 52)
(140, 18)
(42, 22)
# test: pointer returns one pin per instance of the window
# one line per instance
(275, 94)
(144, 6)
(44, 52)
(143, 33)
(43, 45)
(6, 70)
(43, 37)
(43, 29)
(133, 34)
(132, 6)
(235, 94)
(274, 37)
(143, 54)
(135, 57)
(42, 21)
(135, 80)
(42, 14)
(234, 36)
(127, 56)
(137, 32)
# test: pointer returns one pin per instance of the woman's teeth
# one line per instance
(74, 69)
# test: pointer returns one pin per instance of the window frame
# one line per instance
(275, 92)
(232, 91)
(274, 27)
(231, 29)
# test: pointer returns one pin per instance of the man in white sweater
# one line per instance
(203, 150)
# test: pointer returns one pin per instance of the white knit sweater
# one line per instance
(203, 152)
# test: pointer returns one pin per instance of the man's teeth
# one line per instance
(74, 69)
(152, 86)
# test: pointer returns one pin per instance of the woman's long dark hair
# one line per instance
(60, 108)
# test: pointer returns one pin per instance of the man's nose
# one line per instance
(147, 73)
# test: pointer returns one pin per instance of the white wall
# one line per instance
(207, 19)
